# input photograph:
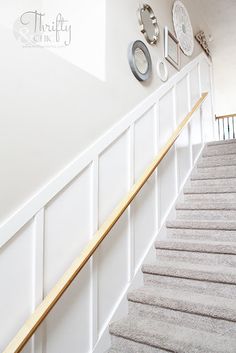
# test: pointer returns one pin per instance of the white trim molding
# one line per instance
(51, 229)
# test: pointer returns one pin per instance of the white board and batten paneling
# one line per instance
(144, 208)
(39, 242)
(183, 147)
(113, 255)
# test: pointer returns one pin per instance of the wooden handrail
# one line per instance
(226, 116)
(31, 325)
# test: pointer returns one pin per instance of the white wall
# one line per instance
(220, 16)
(51, 108)
(40, 242)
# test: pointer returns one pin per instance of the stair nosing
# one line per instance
(215, 166)
(135, 296)
(220, 142)
(195, 272)
(146, 331)
(205, 206)
(204, 176)
(205, 155)
(201, 224)
(160, 245)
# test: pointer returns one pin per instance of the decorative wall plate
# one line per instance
(148, 23)
(162, 71)
(183, 28)
(140, 60)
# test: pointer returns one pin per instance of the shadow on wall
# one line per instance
(52, 105)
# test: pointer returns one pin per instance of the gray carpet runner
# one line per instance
(188, 301)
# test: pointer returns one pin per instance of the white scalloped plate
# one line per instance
(183, 27)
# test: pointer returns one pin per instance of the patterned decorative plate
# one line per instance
(183, 28)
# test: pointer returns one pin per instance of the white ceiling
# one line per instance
(220, 16)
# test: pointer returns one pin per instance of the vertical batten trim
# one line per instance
(189, 125)
(131, 241)
(94, 260)
(212, 97)
(38, 275)
(202, 106)
(158, 174)
(156, 133)
(175, 145)
(199, 80)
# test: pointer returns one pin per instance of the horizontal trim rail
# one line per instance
(31, 325)
(226, 116)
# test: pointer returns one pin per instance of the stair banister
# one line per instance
(41, 312)
(227, 131)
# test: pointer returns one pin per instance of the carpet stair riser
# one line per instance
(225, 197)
(184, 318)
(211, 288)
(219, 150)
(197, 258)
(200, 272)
(169, 337)
(122, 345)
(215, 174)
(202, 224)
(197, 246)
(186, 301)
(206, 214)
(210, 189)
(214, 182)
(225, 206)
(201, 234)
(220, 142)
(225, 170)
(218, 161)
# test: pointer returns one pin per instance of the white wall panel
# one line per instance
(183, 142)
(67, 231)
(167, 183)
(68, 327)
(181, 100)
(205, 76)
(208, 123)
(196, 134)
(166, 118)
(144, 207)
(67, 221)
(112, 256)
(16, 276)
(207, 117)
(69, 209)
(194, 86)
(144, 142)
(183, 156)
(113, 175)
(166, 170)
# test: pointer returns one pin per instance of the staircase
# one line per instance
(188, 301)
